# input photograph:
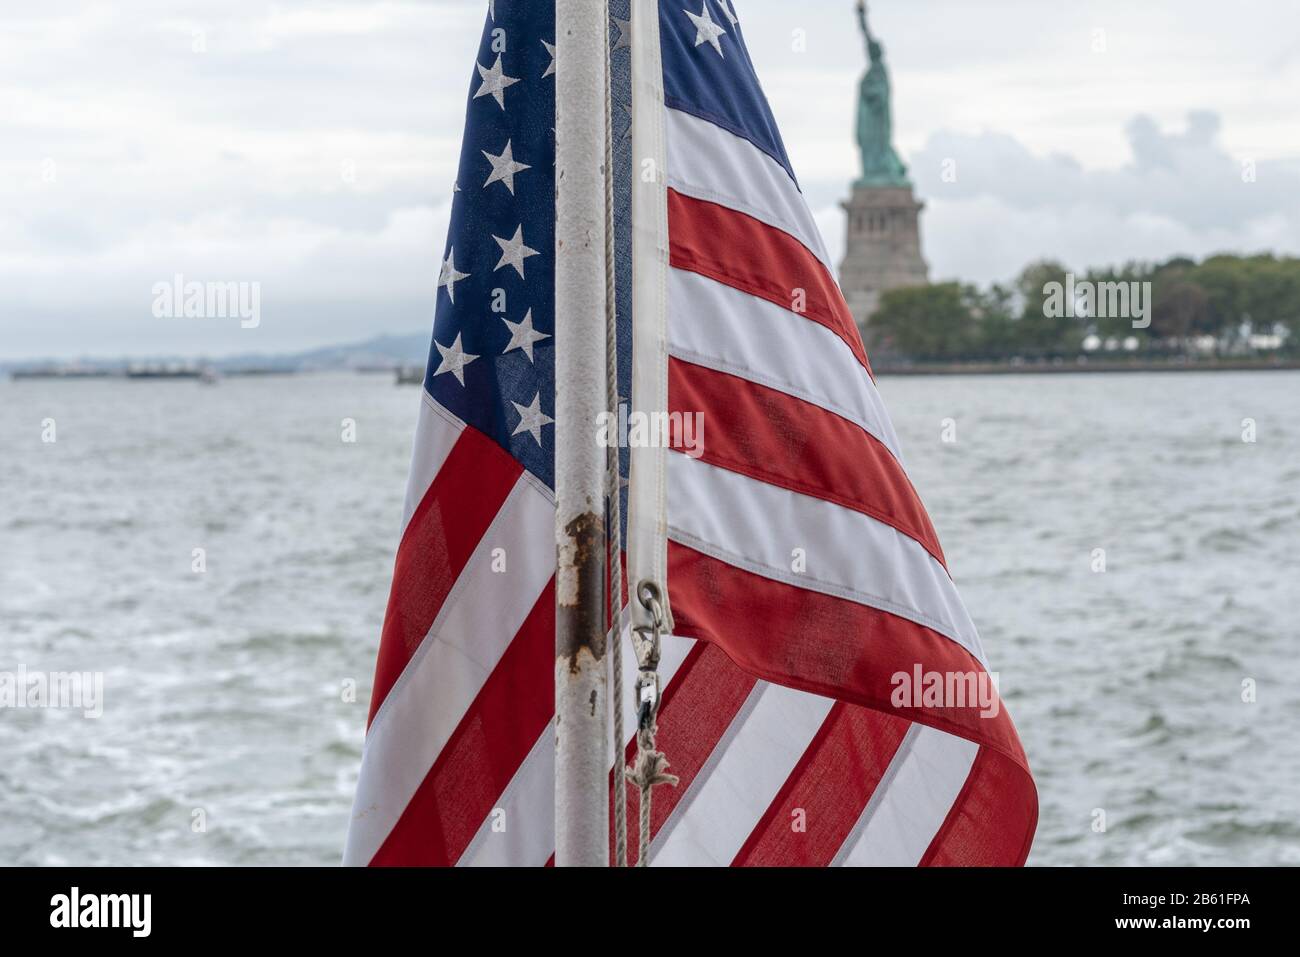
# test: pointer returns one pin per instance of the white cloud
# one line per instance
(230, 163)
(311, 148)
(1182, 193)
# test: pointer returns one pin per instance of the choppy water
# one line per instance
(225, 690)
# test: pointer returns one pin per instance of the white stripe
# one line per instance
(435, 434)
(912, 800)
(712, 164)
(480, 617)
(647, 523)
(756, 526)
(725, 329)
(731, 793)
(528, 803)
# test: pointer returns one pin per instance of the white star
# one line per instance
(514, 252)
(531, 418)
(726, 9)
(706, 31)
(454, 359)
(624, 33)
(450, 276)
(523, 335)
(504, 168)
(494, 82)
(550, 48)
(492, 9)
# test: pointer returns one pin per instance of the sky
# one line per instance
(311, 148)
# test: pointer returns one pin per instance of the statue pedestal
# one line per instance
(882, 249)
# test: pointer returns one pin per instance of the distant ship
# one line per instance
(259, 371)
(164, 372)
(410, 375)
(60, 372)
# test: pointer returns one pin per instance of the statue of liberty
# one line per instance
(880, 164)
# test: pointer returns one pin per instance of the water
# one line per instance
(228, 734)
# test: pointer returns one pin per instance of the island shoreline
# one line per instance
(1075, 368)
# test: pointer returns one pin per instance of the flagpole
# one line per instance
(582, 754)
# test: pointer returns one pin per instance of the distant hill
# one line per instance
(381, 352)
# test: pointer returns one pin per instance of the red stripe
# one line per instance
(781, 440)
(699, 704)
(823, 644)
(835, 647)
(994, 789)
(747, 254)
(444, 530)
(816, 809)
(509, 714)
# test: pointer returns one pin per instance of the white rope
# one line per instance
(613, 476)
(651, 766)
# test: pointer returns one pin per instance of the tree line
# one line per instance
(1223, 305)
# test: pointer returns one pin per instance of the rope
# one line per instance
(613, 479)
(651, 766)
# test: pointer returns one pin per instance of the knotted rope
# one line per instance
(650, 767)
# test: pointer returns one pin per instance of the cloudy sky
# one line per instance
(312, 147)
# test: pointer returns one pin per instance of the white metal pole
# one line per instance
(582, 753)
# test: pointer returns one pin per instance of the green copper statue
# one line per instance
(880, 164)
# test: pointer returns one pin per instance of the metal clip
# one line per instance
(645, 642)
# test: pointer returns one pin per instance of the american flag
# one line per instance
(803, 573)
